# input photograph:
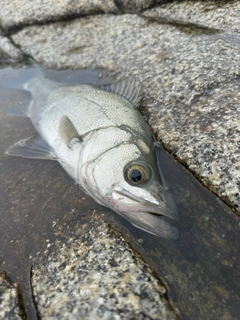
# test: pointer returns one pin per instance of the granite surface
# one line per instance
(9, 299)
(16, 14)
(189, 71)
(96, 275)
(8, 51)
(186, 54)
(39, 203)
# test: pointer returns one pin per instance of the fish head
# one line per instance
(144, 200)
(132, 184)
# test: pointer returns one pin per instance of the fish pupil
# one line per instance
(136, 175)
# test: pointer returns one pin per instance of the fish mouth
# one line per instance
(147, 216)
(143, 205)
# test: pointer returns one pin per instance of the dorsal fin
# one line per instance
(128, 88)
(67, 131)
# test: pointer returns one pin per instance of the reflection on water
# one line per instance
(201, 269)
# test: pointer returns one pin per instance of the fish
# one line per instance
(101, 139)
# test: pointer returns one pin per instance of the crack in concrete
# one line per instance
(22, 310)
(184, 26)
(38, 316)
(120, 9)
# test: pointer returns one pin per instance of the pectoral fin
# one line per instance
(32, 147)
(68, 132)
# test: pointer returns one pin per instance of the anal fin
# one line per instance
(33, 148)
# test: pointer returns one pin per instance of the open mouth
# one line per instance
(159, 208)
(145, 215)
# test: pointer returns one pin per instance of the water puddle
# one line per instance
(201, 269)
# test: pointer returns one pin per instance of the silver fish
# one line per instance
(102, 141)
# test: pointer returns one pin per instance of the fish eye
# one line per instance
(137, 174)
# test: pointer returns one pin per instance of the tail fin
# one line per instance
(39, 82)
(16, 78)
(33, 80)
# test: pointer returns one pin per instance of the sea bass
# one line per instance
(101, 139)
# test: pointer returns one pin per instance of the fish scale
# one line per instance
(92, 108)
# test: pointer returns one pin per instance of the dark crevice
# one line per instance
(23, 57)
(73, 16)
(11, 30)
(33, 296)
(8, 31)
(23, 314)
(183, 26)
(122, 8)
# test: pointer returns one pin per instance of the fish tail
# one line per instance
(20, 77)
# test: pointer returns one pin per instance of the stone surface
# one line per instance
(40, 202)
(96, 275)
(221, 15)
(15, 13)
(135, 5)
(8, 50)
(189, 71)
(43, 11)
(186, 54)
(9, 299)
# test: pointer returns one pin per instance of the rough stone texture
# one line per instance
(135, 5)
(15, 13)
(189, 71)
(18, 13)
(9, 303)
(8, 50)
(201, 269)
(222, 15)
(96, 275)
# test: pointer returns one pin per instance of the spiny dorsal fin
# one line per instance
(128, 88)
(67, 131)
(32, 147)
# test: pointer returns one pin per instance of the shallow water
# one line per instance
(35, 196)
(201, 269)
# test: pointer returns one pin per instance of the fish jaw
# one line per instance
(143, 214)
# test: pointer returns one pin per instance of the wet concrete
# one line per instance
(34, 195)
(200, 270)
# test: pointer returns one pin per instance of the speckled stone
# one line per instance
(8, 50)
(17, 13)
(9, 302)
(96, 275)
(186, 55)
(135, 5)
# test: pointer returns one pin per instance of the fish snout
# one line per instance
(158, 204)
(150, 217)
